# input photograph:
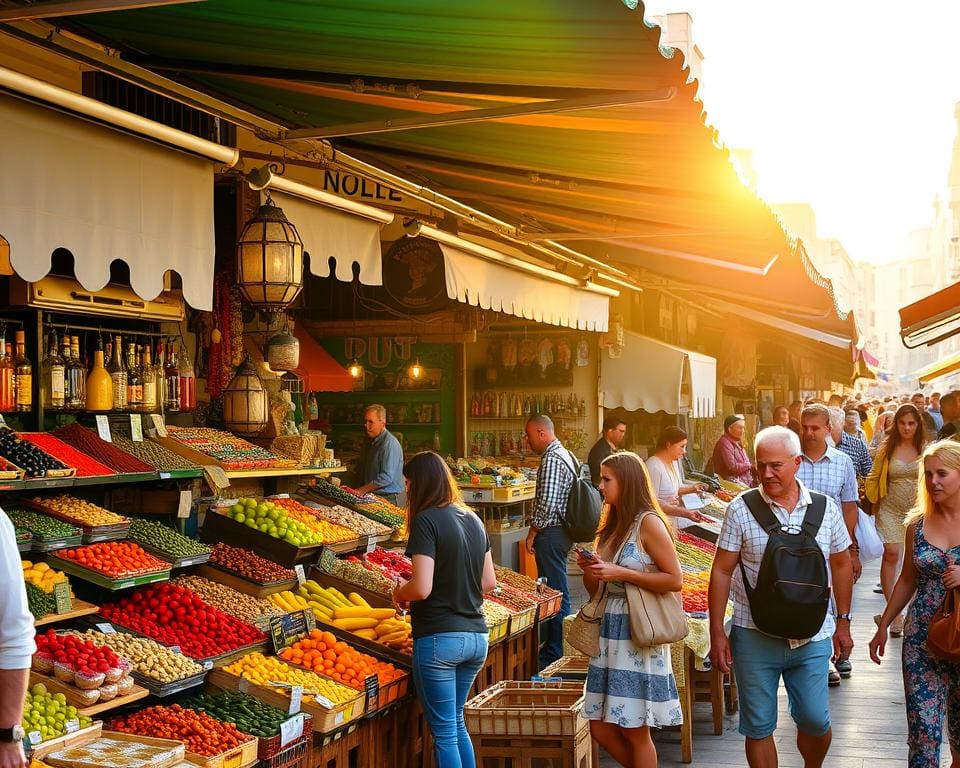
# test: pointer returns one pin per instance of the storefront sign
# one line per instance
(358, 188)
(379, 351)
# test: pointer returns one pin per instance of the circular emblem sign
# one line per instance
(413, 275)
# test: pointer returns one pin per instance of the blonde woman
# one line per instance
(932, 551)
(629, 689)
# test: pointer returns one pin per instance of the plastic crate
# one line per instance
(292, 756)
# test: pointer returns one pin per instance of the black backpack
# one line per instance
(792, 593)
(583, 505)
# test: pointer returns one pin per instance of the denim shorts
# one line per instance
(759, 661)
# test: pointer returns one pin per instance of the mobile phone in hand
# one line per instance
(585, 553)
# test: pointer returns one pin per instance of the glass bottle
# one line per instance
(23, 374)
(149, 376)
(134, 382)
(188, 382)
(53, 371)
(118, 375)
(171, 373)
(77, 375)
(99, 388)
(159, 371)
(67, 356)
(8, 394)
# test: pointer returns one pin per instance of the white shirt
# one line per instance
(665, 479)
(16, 621)
(741, 533)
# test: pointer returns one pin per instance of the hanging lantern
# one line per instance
(282, 352)
(416, 370)
(355, 369)
(245, 402)
(270, 259)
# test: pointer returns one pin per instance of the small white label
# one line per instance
(296, 699)
(301, 574)
(107, 629)
(310, 619)
(371, 545)
(338, 718)
(291, 730)
(35, 737)
(244, 685)
(207, 665)
(164, 475)
(158, 424)
(71, 726)
(324, 702)
(186, 504)
(136, 428)
(103, 428)
(216, 477)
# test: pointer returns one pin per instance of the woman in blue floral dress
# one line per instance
(931, 566)
(630, 689)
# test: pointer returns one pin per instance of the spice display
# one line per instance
(200, 733)
(33, 460)
(48, 715)
(167, 541)
(231, 451)
(154, 454)
(149, 658)
(248, 714)
(79, 511)
(172, 614)
(249, 565)
(512, 599)
(67, 454)
(326, 655)
(244, 607)
(43, 527)
(364, 526)
(86, 440)
(115, 559)
(262, 670)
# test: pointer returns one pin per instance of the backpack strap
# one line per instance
(813, 517)
(761, 511)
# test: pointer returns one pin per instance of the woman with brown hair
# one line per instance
(666, 479)
(452, 568)
(629, 689)
(892, 487)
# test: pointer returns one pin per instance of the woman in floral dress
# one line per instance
(930, 567)
(630, 689)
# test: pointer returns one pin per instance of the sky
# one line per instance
(847, 105)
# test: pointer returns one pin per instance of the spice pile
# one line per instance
(67, 454)
(154, 454)
(231, 451)
(87, 441)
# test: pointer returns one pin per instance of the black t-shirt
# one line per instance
(598, 453)
(458, 544)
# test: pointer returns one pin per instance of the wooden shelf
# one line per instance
(80, 608)
(390, 424)
(72, 695)
(298, 472)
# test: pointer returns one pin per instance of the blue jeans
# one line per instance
(551, 548)
(444, 668)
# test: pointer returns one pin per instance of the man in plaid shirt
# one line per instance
(547, 540)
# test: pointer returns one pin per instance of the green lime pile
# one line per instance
(39, 602)
(250, 715)
(41, 526)
(268, 518)
(48, 713)
(157, 536)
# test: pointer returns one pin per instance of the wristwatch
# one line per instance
(847, 616)
(10, 735)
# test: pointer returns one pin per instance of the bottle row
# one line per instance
(507, 405)
(122, 378)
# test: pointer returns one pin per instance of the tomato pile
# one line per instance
(115, 559)
(202, 734)
(79, 655)
(173, 615)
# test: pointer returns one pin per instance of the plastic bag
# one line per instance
(871, 545)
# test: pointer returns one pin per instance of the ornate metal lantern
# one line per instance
(245, 402)
(270, 259)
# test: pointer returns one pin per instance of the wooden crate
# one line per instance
(388, 736)
(348, 748)
(521, 658)
(238, 757)
(491, 670)
(213, 572)
(531, 752)
(75, 739)
(174, 750)
(568, 668)
(522, 708)
(522, 621)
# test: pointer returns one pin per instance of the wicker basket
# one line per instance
(522, 708)
(302, 448)
(568, 668)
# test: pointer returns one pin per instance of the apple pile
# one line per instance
(174, 615)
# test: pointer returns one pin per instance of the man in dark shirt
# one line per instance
(614, 432)
(950, 411)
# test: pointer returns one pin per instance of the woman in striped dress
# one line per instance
(629, 689)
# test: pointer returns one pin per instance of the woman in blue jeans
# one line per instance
(452, 568)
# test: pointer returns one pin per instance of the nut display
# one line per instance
(149, 658)
(231, 451)
(244, 607)
(86, 440)
(160, 538)
(249, 565)
(513, 599)
(33, 460)
(494, 613)
(153, 454)
(43, 527)
(79, 511)
(355, 573)
(364, 526)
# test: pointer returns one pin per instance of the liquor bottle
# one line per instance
(159, 371)
(8, 394)
(99, 388)
(53, 371)
(23, 374)
(66, 355)
(149, 382)
(134, 381)
(118, 375)
(77, 376)
(188, 383)
(171, 373)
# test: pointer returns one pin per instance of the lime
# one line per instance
(39, 689)
(251, 522)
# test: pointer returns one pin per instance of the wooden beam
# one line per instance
(57, 8)
(463, 117)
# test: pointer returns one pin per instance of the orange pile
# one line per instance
(322, 653)
(115, 559)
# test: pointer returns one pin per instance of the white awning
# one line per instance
(103, 195)
(779, 323)
(655, 376)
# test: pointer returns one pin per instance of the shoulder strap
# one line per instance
(761, 511)
(813, 517)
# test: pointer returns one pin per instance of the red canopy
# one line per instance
(319, 371)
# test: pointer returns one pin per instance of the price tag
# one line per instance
(371, 686)
(296, 699)
(291, 730)
(61, 594)
(103, 427)
(35, 737)
(216, 477)
(71, 726)
(107, 629)
(324, 702)
(301, 574)
(309, 619)
(244, 685)
(185, 505)
(164, 475)
(327, 560)
(371, 545)
(175, 649)
(207, 665)
(136, 428)
(158, 424)
(338, 718)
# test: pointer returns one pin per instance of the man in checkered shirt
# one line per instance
(547, 539)
(760, 660)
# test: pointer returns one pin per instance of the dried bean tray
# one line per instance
(216, 572)
(88, 530)
(521, 708)
(102, 580)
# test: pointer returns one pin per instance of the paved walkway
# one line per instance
(869, 725)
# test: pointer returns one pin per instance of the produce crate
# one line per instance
(176, 562)
(324, 579)
(497, 494)
(73, 695)
(294, 756)
(153, 752)
(521, 656)
(491, 672)
(238, 757)
(106, 582)
(10, 471)
(84, 735)
(395, 657)
(87, 530)
(217, 527)
(163, 690)
(568, 668)
(498, 632)
(522, 621)
(271, 747)
(216, 572)
(522, 708)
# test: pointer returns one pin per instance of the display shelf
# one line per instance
(80, 608)
(180, 474)
(236, 474)
(527, 416)
(50, 545)
(82, 736)
(218, 528)
(106, 582)
(392, 424)
(162, 690)
(74, 698)
(214, 572)
(176, 562)
(122, 478)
